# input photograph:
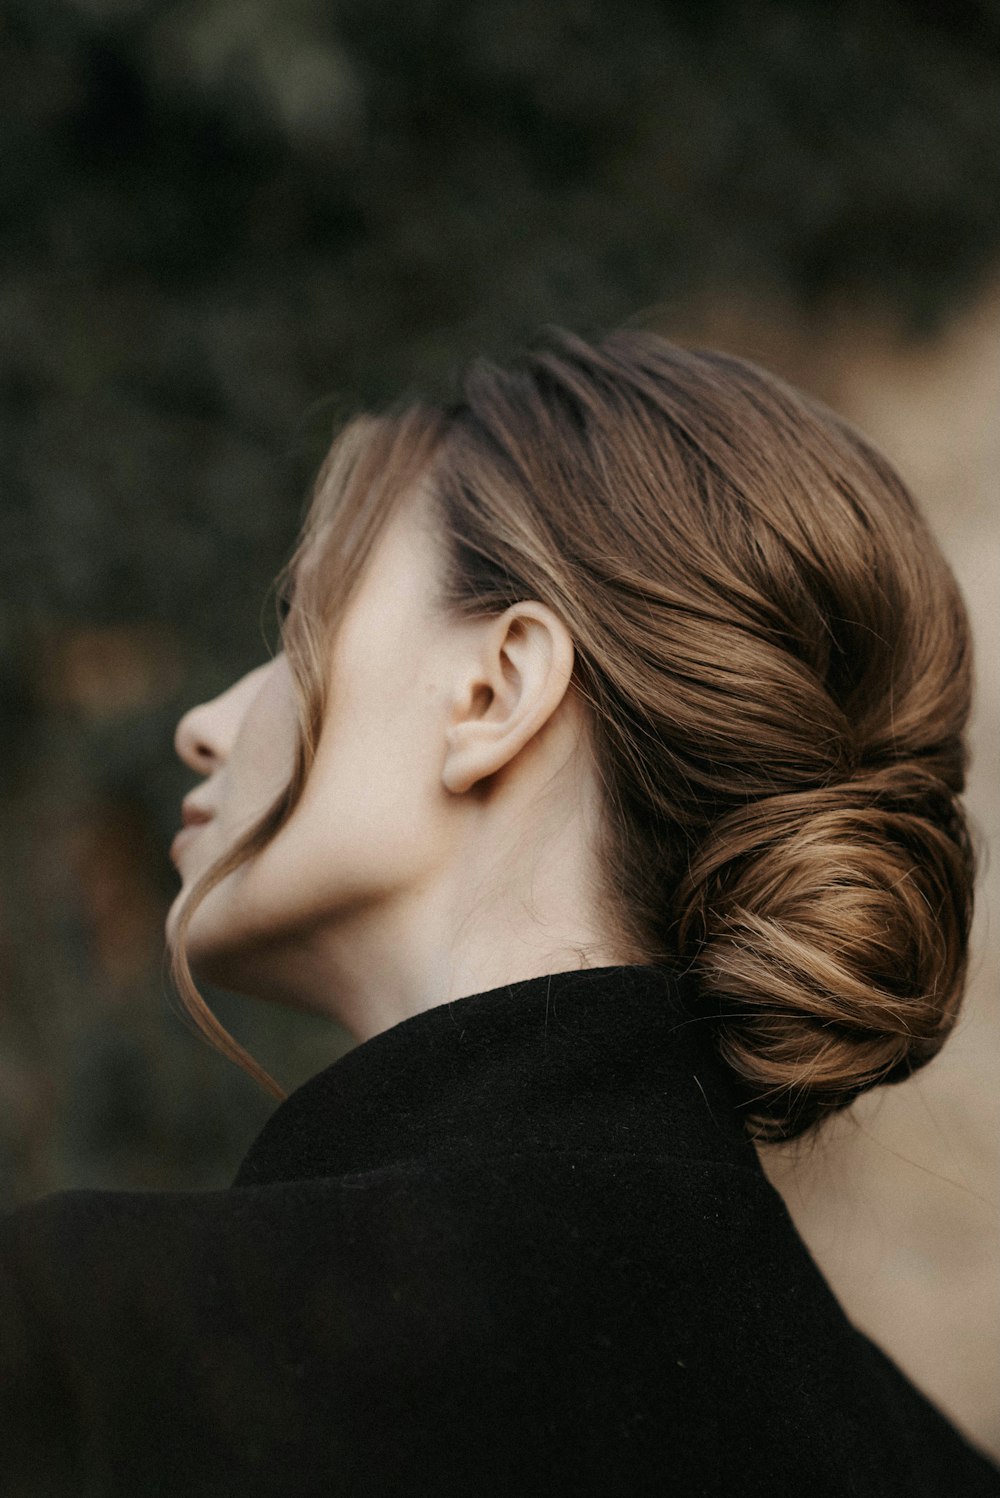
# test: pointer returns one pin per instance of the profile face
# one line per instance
(369, 817)
(243, 741)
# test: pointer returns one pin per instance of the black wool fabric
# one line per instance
(516, 1244)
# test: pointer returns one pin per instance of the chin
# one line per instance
(205, 948)
(225, 952)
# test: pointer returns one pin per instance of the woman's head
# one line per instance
(768, 683)
(435, 784)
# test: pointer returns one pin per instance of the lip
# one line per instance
(184, 836)
(192, 814)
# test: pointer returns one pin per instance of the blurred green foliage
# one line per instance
(227, 223)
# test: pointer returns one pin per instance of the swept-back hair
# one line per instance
(776, 663)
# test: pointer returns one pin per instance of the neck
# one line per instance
(441, 943)
(505, 909)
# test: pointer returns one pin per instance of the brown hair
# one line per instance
(776, 660)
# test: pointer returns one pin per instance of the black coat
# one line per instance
(517, 1244)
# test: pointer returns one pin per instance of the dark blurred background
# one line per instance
(228, 223)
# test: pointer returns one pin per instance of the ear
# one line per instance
(521, 669)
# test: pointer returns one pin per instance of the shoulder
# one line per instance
(450, 1218)
(557, 1254)
(588, 1300)
(473, 1241)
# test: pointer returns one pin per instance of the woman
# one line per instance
(607, 789)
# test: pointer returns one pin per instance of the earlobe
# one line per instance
(516, 681)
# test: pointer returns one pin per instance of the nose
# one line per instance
(207, 732)
(196, 742)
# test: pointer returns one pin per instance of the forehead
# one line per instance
(406, 549)
(408, 546)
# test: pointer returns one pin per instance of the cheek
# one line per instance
(376, 772)
(369, 814)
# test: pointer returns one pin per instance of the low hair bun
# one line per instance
(827, 930)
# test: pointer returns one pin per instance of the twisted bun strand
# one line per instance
(828, 929)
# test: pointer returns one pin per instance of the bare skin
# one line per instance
(444, 842)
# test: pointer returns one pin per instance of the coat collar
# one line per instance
(610, 1058)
